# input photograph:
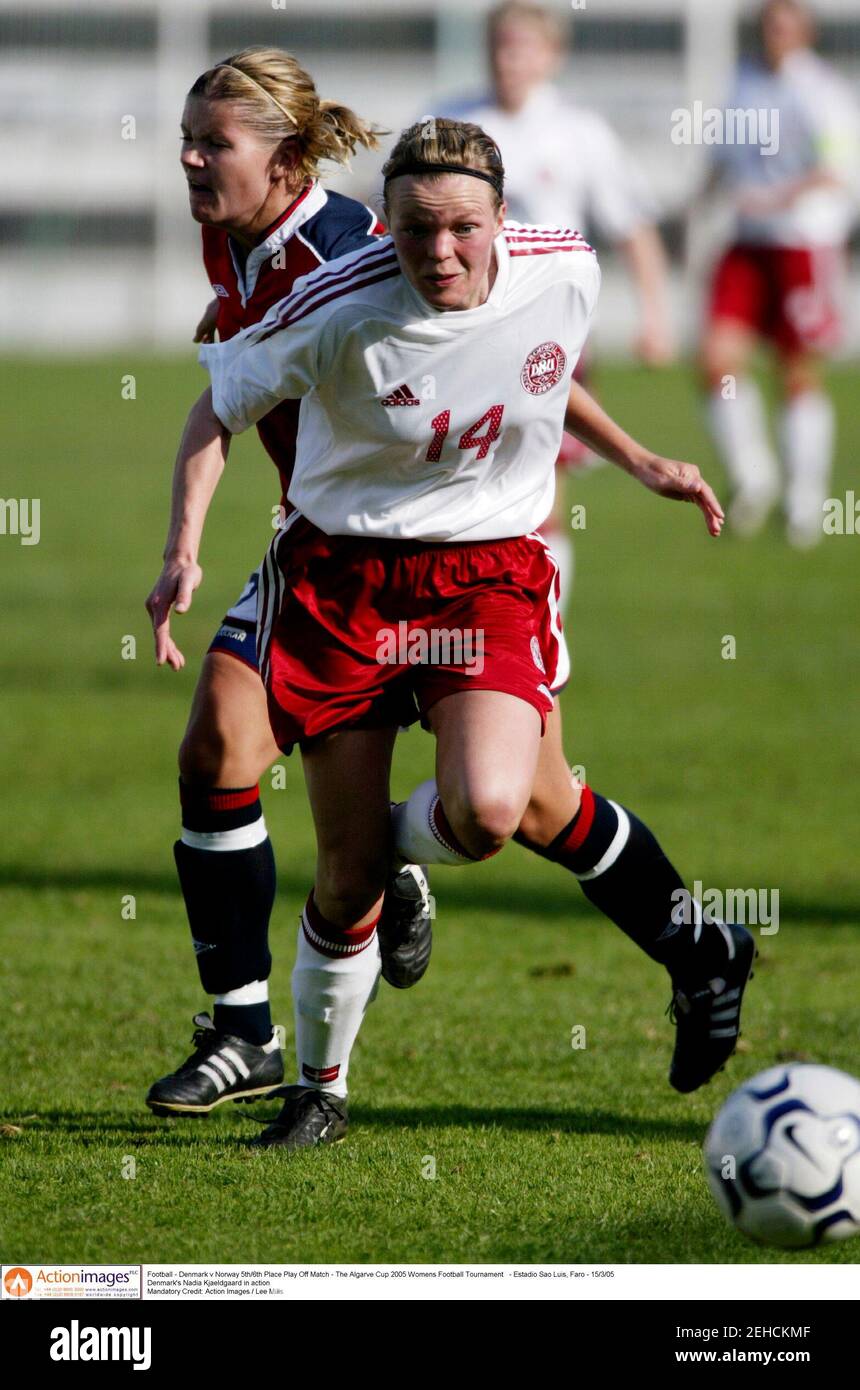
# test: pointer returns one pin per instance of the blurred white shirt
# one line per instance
(819, 129)
(563, 164)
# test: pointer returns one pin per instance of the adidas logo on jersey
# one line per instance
(402, 396)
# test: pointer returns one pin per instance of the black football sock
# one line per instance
(227, 871)
(253, 1022)
(624, 872)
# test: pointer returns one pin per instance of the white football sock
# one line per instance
(740, 433)
(330, 997)
(807, 430)
(421, 832)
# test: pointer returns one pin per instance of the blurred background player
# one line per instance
(779, 280)
(566, 167)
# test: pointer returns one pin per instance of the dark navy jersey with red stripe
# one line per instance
(317, 227)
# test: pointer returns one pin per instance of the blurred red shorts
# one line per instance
(787, 294)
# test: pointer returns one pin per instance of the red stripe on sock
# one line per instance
(321, 1074)
(582, 824)
(218, 799)
(332, 940)
(442, 826)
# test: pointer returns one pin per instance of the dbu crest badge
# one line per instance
(544, 368)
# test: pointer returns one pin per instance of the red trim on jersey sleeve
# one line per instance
(550, 250)
(333, 285)
(534, 240)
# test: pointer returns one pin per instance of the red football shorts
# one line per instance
(358, 632)
(787, 294)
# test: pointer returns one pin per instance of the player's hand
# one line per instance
(654, 346)
(173, 588)
(682, 482)
(205, 330)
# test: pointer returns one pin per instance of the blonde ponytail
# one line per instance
(277, 98)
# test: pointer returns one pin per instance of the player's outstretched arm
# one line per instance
(671, 478)
(199, 465)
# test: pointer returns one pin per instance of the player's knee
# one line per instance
(715, 365)
(485, 822)
(800, 377)
(205, 753)
(215, 755)
(347, 890)
(201, 756)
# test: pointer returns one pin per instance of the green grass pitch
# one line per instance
(745, 768)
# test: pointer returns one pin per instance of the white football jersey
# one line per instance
(562, 163)
(419, 423)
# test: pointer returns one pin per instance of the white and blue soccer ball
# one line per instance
(783, 1156)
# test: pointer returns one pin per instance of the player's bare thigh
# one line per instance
(228, 741)
(726, 350)
(347, 775)
(487, 745)
(555, 798)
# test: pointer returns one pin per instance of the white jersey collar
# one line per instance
(306, 205)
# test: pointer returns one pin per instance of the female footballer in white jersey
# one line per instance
(415, 518)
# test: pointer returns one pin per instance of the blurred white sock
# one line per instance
(807, 432)
(740, 433)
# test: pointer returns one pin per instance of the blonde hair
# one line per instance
(277, 98)
(546, 20)
(437, 140)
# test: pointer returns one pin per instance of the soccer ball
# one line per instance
(783, 1156)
